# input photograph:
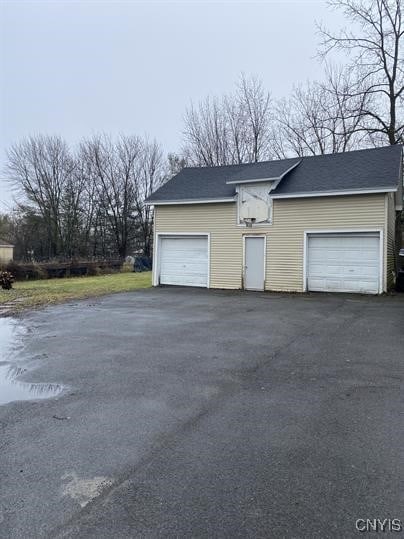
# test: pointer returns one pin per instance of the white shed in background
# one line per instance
(6, 252)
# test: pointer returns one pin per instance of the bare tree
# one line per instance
(231, 129)
(149, 175)
(319, 118)
(5, 227)
(124, 173)
(175, 163)
(73, 217)
(111, 167)
(254, 104)
(40, 168)
(29, 233)
(374, 43)
(93, 227)
(206, 134)
(89, 203)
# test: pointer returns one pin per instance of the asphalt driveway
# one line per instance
(194, 413)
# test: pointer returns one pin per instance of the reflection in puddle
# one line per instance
(12, 389)
(10, 332)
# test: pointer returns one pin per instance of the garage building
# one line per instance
(323, 223)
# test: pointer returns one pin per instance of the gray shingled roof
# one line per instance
(376, 168)
(265, 170)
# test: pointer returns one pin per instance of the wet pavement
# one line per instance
(10, 333)
(12, 388)
(209, 414)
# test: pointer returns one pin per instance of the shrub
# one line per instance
(23, 271)
(93, 270)
(16, 269)
(127, 267)
(6, 280)
(37, 272)
(53, 269)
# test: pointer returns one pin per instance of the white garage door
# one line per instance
(344, 263)
(184, 260)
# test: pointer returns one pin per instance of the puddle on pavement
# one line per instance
(8, 336)
(12, 389)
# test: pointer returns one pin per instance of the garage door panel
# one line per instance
(343, 271)
(184, 260)
(370, 272)
(185, 279)
(343, 263)
(368, 257)
(316, 255)
(343, 285)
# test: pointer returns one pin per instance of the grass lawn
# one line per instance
(29, 294)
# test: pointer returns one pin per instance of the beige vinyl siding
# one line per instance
(225, 237)
(390, 240)
(6, 254)
(285, 237)
(293, 216)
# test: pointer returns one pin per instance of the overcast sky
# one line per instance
(78, 67)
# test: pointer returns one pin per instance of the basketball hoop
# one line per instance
(249, 221)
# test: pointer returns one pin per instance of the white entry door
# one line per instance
(184, 260)
(254, 263)
(344, 263)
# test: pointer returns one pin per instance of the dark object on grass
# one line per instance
(142, 263)
(6, 280)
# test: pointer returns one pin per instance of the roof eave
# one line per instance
(257, 180)
(335, 193)
(189, 201)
